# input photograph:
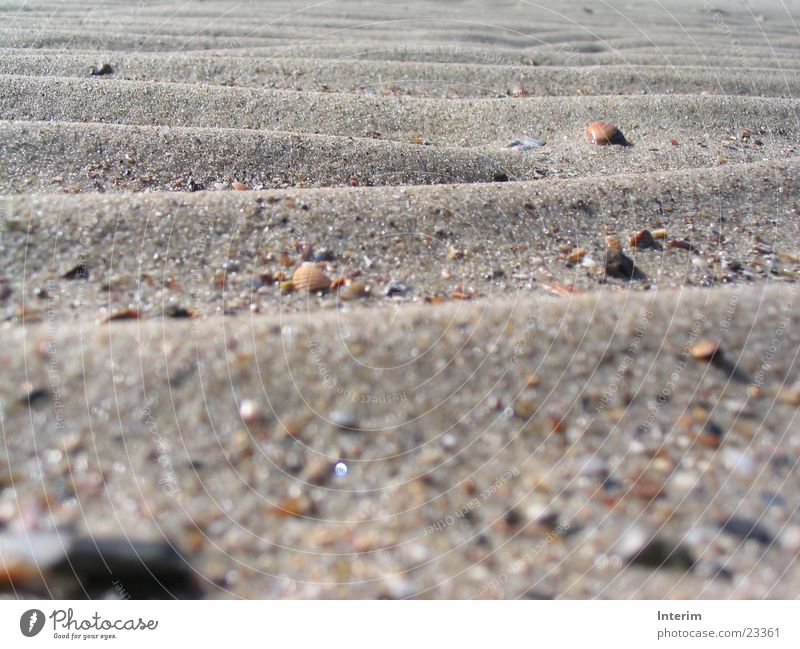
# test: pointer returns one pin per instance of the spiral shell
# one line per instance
(604, 132)
(309, 277)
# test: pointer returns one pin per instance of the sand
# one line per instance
(517, 418)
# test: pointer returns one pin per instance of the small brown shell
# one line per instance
(604, 132)
(239, 186)
(309, 277)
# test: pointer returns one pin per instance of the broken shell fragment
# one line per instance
(309, 277)
(604, 132)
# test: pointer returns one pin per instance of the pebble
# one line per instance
(638, 548)
(619, 265)
(81, 567)
(526, 144)
(344, 420)
(81, 271)
(595, 467)
(643, 240)
(249, 411)
(396, 289)
(704, 350)
(738, 461)
(746, 529)
(102, 70)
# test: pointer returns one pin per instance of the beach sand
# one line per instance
(511, 390)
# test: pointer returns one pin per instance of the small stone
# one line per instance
(353, 289)
(81, 271)
(295, 507)
(643, 240)
(620, 266)
(640, 549)
(576, 255)
(344, 420)
(102, 70)
(680, 245)
(790, 396)
(746, 529)
(526, 144)
(396, 289)
(532, 380)
(704, 350)
(249, 411)
(738, 461)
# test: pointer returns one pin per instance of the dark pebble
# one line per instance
(661, 554)
(175, 311)
(536, 594)
(35, 397)
(396, 289)
(747, 529)
(621, 266)
(324, 254)
(81, 271)
(513, 517)
(145, 570)
(99, 71)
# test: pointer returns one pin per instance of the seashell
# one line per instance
(239, 186)
(309, 277)
(704, 350)
(604, 132)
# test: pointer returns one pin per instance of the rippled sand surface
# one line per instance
(549, 369)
